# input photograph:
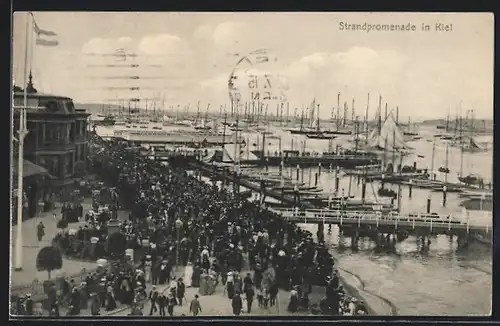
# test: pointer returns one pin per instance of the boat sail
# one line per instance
(388, 138)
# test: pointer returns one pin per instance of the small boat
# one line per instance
(384, 192)
(449, 188)
(471, 179)
(107, 121)
(320, 136)
(302, 192)
(338, 132)
(477, 194)
(302, 131)
(443, 170)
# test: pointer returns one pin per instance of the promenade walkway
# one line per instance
(218, 304)
(22, 281)
(31, 247)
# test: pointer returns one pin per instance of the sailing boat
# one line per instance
(318, 134)
(409, 132)
(470, 144)
(302, 130)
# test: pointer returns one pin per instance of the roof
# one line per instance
(38, 94)
(29, 168)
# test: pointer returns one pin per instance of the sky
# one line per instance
(186, 58)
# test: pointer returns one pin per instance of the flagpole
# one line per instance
(22, 132)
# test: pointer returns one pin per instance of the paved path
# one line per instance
(32, 246)
(218, 304)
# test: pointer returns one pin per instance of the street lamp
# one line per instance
(178, 225)
(22, 132)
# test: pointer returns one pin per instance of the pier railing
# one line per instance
(401, 220)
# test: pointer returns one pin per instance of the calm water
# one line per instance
(442, 281)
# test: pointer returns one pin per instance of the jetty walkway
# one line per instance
(437, 224)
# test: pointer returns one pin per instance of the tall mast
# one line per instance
(379, 125)
(366, 117)
(447, 121)
(356, 131)
(432, 157)
(393, 148)
(338, 110)
(385, 155)
(253, 111)
(461, 147)
(353, 115)
(197, 112)
(302, 120)
(281, 113)
(287, 112)
(345, 115)
(317, 119)
(446, 165)
(224, 132)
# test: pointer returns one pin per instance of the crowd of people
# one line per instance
(219, 235)
(218, 232)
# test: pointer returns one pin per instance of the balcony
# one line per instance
(56, 147)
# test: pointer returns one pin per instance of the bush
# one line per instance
(117, 243)
(48, 259)
(62, 224)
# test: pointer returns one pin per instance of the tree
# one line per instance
(48, 259)
(117, 244)
(62, 224)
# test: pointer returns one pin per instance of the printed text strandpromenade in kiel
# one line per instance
(409, 27)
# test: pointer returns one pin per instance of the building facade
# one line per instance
(57, 138)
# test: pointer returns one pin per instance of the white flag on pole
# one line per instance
(44, 37)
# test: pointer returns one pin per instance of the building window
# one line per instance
(56, 166)
(83, 125)
(72, 132)
(70, 106)
(77, 128)
(52, 132)
(77, 153)
(68, 164)
(51, 163)
(19, 101)
(80, 153)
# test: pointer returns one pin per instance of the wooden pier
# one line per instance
(384, 228)
(239, 180)
(334, 160)
(436, 224)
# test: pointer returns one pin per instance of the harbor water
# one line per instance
(441, 281)
(444, 280)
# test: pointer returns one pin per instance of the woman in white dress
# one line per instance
(188, 274)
